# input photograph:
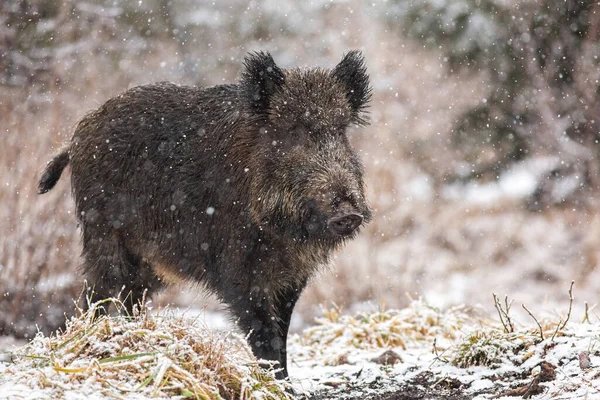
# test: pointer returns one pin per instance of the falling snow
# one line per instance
(482, 166)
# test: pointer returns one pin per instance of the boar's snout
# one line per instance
(346, 224)
(346, 219)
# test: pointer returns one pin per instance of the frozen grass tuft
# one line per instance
(417, 325)
(486, 347)
(141, 356)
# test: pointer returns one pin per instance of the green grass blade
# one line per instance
(126, 357)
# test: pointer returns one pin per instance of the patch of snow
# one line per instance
(517, 360)
(519, 182)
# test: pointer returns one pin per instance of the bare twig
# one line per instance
(503, 313)
(508, 305)
(586, 317)
(557, 329)
(561, 324)
(590, 311)
(570, 305)
(438, 357)
(499, 308)
(536, 321)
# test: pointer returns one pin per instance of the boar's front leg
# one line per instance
(258, 320)
(265, 318)
(285, 306)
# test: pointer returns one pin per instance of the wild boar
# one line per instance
(246, 188)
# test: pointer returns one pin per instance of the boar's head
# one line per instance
(307, 180)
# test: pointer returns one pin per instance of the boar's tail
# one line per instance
(53, 171)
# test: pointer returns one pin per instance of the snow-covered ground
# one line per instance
(459, 350)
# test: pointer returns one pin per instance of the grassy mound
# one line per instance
(417, 325)
(140, 356)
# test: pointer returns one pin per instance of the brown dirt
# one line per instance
(409, 392)
(421, 387)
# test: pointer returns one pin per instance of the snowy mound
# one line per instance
(139, 357)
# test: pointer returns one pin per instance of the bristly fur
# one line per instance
(261, 77)
(352, 73)
(238, 187)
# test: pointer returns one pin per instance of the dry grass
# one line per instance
(142, 356)
(163, 356)
(417, 325)
(463, 337)
(39, 248)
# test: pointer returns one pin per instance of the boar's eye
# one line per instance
(298, 132)
(294, 137)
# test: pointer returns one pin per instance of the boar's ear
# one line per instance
(352, 73)
(261, 77)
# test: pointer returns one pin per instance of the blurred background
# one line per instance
(482, 157)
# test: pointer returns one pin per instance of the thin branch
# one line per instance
(499, 309)
(557, 329)
(438, 357)
(536, 321)
(570, 305)
(508, 305)
(503, 313)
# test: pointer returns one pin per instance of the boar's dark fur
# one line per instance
(245, 188)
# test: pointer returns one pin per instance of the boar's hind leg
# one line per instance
(112, 270)
(285, 306)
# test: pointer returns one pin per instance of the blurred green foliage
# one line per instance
(36, 35)
(540, 63)
(538, 59)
